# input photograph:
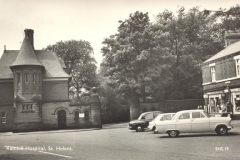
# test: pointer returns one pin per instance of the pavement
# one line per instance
(235, 124)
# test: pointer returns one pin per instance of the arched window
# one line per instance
(86, 114)
(76, 115)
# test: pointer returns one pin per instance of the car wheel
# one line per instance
(173, 133)
(154, 127)
(221, 130)
(139, 129)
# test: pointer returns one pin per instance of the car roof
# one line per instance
(151, 112)
(192, 110)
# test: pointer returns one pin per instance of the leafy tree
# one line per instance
(191, 38)
(128, 58)
(79, 61)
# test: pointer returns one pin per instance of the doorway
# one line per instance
(62, 123)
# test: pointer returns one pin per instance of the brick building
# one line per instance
(34, 92)
(221, 79)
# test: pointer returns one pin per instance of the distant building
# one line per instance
(34, 92)
(221, 79)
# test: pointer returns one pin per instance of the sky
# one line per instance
(89, 20)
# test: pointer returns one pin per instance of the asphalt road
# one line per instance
(118, 143)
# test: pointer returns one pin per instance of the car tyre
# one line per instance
(221, 130)
(173, 133)
(154, 127)
(139, 129)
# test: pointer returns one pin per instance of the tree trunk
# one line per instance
(134, 105)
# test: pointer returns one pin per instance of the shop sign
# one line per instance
(235, 89)
(217, 92)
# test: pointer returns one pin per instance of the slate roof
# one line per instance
(48, 59)
(234, 48)
(26, 55)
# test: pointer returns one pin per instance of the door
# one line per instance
(214, 103)
(183, 123)
(62, 119)
(200, 123)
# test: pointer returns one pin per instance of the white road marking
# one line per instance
(56, 154)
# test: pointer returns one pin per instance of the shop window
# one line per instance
(3, 118)
(215, 104)
(237, 103)
(76, 115)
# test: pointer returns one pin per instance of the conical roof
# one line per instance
(26, 55)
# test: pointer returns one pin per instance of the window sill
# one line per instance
(28, 111)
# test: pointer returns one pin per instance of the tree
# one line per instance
(128, 58)
(79, 61)
(191, 38)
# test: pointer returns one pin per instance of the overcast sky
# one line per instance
(90, 20)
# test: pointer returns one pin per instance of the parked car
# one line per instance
(194, 121)
(143, 120)
(160, 117)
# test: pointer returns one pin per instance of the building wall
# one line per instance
(6, 91)
(55, 90)
(50, 115)
(172, 105)
(8, 109)
(224, 68)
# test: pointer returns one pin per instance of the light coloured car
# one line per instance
(194, 121)
(160, 117)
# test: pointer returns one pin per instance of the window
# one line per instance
(197, 115)
(26, 77)
(213, 75)
(18, 78)
(166, 117)
(34, 78)
(237, 61)
(76, 115)
(27, 107)
(149, 116)
(184, 116)
(86, 114)
(3, 117)
(238, 67)
(153, 109)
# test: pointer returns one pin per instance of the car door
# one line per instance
(183, 123)
(200, 123)
(148, 118)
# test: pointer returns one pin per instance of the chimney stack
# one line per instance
(29, 34)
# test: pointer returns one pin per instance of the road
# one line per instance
(118, 143)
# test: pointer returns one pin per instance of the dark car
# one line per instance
(143, 120)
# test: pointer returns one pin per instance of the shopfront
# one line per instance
(219, 103)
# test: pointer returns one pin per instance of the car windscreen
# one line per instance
(142, 116)
(174, 117)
